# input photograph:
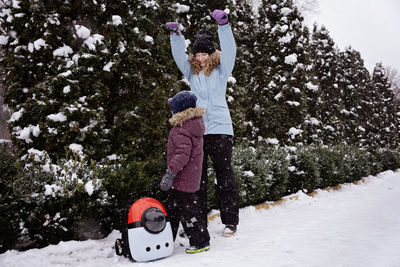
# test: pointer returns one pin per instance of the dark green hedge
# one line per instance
(42, 204)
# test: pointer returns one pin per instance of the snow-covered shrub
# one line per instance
(356, 163)
(322, 166)
(390, 159)
(46, 202)
(261, 173)
(43, 203)
(125, 182)
(330, 166)
(304, 172)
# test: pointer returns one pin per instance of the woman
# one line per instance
(207, 71)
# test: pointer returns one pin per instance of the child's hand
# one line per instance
(220, 16)
(173, 27)
(167, 180)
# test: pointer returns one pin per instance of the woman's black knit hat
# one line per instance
(204, 42)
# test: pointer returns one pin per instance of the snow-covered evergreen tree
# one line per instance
(325, 60)
(278, 77)
(91, 75)
(385, 131)
(243, 23)
(355, 91)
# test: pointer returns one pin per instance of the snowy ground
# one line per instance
(358, 225)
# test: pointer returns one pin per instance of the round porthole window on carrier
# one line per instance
(154, 220)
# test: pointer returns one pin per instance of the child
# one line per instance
(184, 159)
(207, 71)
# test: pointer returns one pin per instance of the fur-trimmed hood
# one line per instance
(212, 63)
(186, 115)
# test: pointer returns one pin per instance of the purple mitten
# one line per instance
(220, 16)
(173, 27)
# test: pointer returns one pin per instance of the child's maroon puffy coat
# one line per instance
(185, 149)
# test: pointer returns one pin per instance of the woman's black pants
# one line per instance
(219, 148)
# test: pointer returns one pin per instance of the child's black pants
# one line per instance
(184, 207)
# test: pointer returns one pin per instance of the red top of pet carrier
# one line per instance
(140, 206)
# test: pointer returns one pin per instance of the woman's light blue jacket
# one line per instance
(210, 90)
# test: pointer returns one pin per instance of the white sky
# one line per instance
(371, 27)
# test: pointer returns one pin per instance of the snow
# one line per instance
(24, 134)
(291, 168)
(284, 28)
(330, 128)
(52, 130)
(89, 187)
(3, 40)
(63, 51)
(248, 173)
(37, 154)
(291, 59)
(272, 141)
(310, 86)
(354, 226)
(112, 157)
(314, 121)
(181, 8)
(36, 45)
(66, 73)
(121, 47)
(54, 20)
(59, 117)
(15, 4)
(108, 66)
(294, 131)
(76, 148)
(16, 115)
(93, 40)
(117, 20)
(231, 80)
(293, 103)
(151, 3)
(66, 89)
(278, 96)
(35, 130)
(284, 40)
(51, 190)
(285, 11)
(82, 32)
(149, 39)
(272, 84)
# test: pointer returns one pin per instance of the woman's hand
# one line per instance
(173, 27)
(220, 16)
